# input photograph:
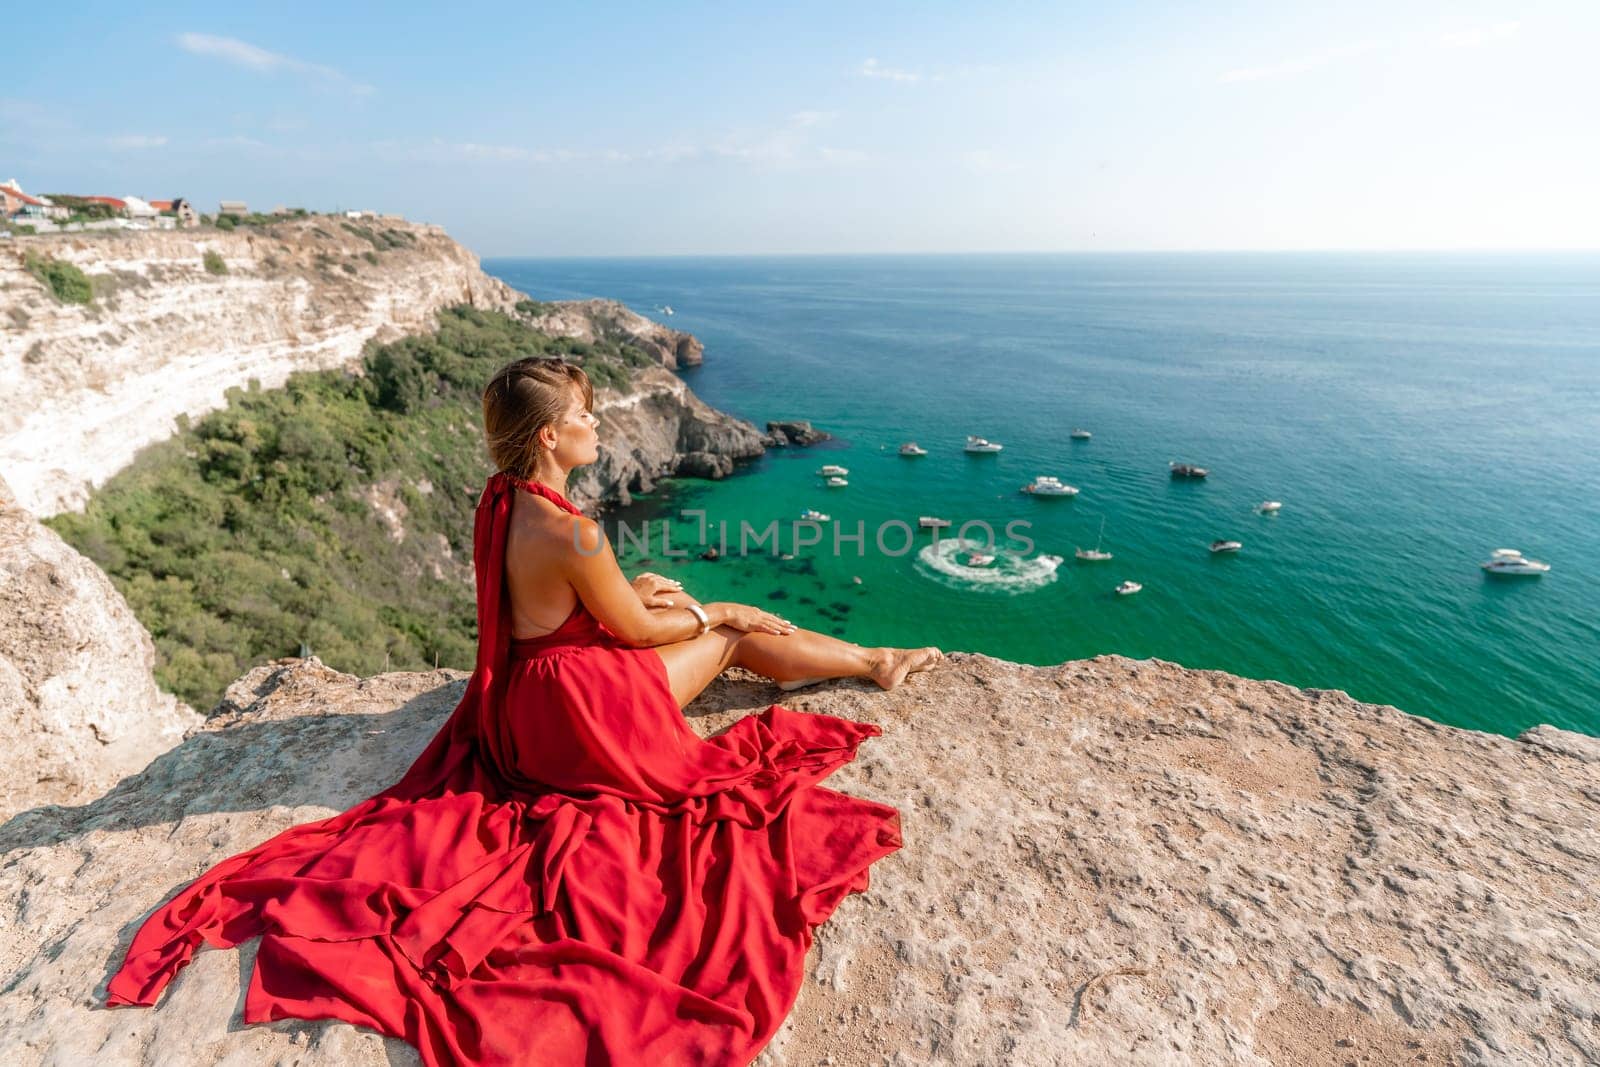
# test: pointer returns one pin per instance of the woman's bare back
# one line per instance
(541, 597)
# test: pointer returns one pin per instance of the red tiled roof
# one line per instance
(161, 205)
(113, 201)
(24, 197)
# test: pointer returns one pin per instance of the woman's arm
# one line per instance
(591, 567)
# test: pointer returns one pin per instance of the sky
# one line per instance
(721, 128)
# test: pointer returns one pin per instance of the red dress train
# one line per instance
(566, 875)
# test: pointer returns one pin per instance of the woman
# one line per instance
(567, 874)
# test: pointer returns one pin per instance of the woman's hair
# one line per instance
(523, 398)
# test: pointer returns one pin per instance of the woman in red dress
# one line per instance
(567, 874)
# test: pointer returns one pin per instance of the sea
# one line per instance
(1411, 412)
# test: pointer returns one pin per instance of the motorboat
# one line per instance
(979, 559)
(1095, 554)
(1128, 588)
(911, 448)
(1269, 507)
(837, 483)
(1187, 470)
(1219, 547)
(1510, 561)
(932, 522)
(980, 445)
(666, 309)
(833, 470)
(1049, 485)
(1081, 435)
(813, 515)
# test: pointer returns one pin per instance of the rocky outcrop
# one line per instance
(167, 334)
(607, 320)
(783, 434)
(1105, 862)
(78, 706)
(659, 428)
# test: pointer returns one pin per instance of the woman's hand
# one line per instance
(754, 620)
(654, 590)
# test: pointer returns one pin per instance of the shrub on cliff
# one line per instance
(260, 527)
(214, 262)
(67, 282)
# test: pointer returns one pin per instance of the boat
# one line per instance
(666, 309)
(813, 515)
(1095, 554)
(1269, 507)
(1049, 485)
(1128, 588)
(980, 445)
(837, 483)
(1219, 547)
(1081, 435)
(1187, 470)
(911, 448)
(1510, 561)
(979, 559)
(833, 470)
(932, 522)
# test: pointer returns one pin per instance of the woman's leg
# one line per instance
(692, 664)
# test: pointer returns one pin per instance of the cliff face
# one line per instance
(87, 386)
(601, 320)
(1105, 862)
(78, 706)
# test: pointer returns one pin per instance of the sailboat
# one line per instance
(1094, 555)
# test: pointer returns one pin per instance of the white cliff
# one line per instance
(87, 386)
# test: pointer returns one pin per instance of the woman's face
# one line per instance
(577, 437)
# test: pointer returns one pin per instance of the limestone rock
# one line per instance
(659, 428)
(78, 706)
(86, 387)
(1105, 862)
(608, 320)
(782, 434)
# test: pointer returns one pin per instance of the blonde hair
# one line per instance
(523, 398)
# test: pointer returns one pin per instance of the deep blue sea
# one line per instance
(1411, 412)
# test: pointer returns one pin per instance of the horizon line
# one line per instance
(1419, 250)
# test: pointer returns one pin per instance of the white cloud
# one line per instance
(1290, 67)
(135, 140)
(871, 68)
(243, 54)
(1479, 36)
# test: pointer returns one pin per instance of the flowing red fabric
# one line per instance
(566, 875)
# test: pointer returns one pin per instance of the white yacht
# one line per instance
(978, 444)
(1095, 554)
(932, 522)
(666, 309)
(1269, 507)
(1128, 588)
(836, 482)
(911, 448)
(979, 559)
(1219, 547)
(1186, 470)
(1049, 485)
(1510, 561)
(813, 515)
(833, 470)
(1081, 435)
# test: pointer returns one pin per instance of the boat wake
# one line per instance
(946, 563)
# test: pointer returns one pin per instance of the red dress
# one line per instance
(566, 875)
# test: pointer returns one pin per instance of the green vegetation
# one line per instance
(70, 284)
(532, 308)
(80, 209)
(214, 262)
(370, 257)
(257, 528)
(227, 222)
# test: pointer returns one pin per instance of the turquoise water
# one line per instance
(1411, 412)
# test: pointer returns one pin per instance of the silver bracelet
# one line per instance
(700, 613)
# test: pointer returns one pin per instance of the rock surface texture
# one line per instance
(607, 320)
(1106, 862)
(78, 706)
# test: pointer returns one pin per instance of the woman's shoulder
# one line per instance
(546, 529)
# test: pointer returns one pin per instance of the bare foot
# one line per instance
(896, 663)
